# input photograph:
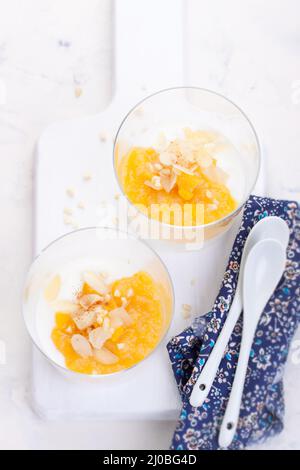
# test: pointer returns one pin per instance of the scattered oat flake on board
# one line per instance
(78, 91)
(186, 311)
(70, 192)
(87, 176)
(80, 205)
(68, 211)
(103, 136)
(68, 220)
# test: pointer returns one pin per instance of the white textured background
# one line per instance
(53, 50)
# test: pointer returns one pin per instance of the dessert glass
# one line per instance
(172, 110)
(122, 254)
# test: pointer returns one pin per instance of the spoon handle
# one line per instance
(205, 380)
(231, 417)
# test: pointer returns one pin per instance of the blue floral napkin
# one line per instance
(262, 409)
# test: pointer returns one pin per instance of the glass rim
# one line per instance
(243, 201)
(111, 374)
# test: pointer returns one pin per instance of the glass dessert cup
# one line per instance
(169, 112)
(120, 254)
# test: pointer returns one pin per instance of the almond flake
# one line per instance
(103, 137)
(65, 306)
(68, 211)
(168, 182)
(186, 311)
(187, 307)
(105, 356)
(117, 293)
(68, 220)
(87, 176)
(183, 169)
(106, 324)
(167, 158)
(81, 346)
(70, 192)
(154, 183)
(88, 300)
(130, 292)
(158, 166)
(52, 289)
(96, 282)
(121, 313)
(77, 91)
(84, 319)
(98, 336)
(80, 205)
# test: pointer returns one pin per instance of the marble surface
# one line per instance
(56, 62)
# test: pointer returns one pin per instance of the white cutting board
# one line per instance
(69, 150)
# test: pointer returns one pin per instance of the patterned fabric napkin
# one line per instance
(262, 409)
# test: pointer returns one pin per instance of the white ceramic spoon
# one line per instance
(268, 227)
(262, 272)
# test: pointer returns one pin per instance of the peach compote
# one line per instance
(183, 171)
(109, 327)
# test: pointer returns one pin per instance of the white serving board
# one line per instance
(65, 153)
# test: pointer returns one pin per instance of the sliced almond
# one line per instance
(122, 314)
(98, 336)
(96, 282)
(52, 289)
(88, 300)
(84, 318)
(116, 322)
(168, 182)
(157, 166)
(167, 158)
(105, 356)
(65, 306)
(99, 310)
(106, 324)
(155, 183)
(183, 169)
(81, 346)
(130, 292)
(165, 171)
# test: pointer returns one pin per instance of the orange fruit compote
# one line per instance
(110, 327)
(184, 172)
